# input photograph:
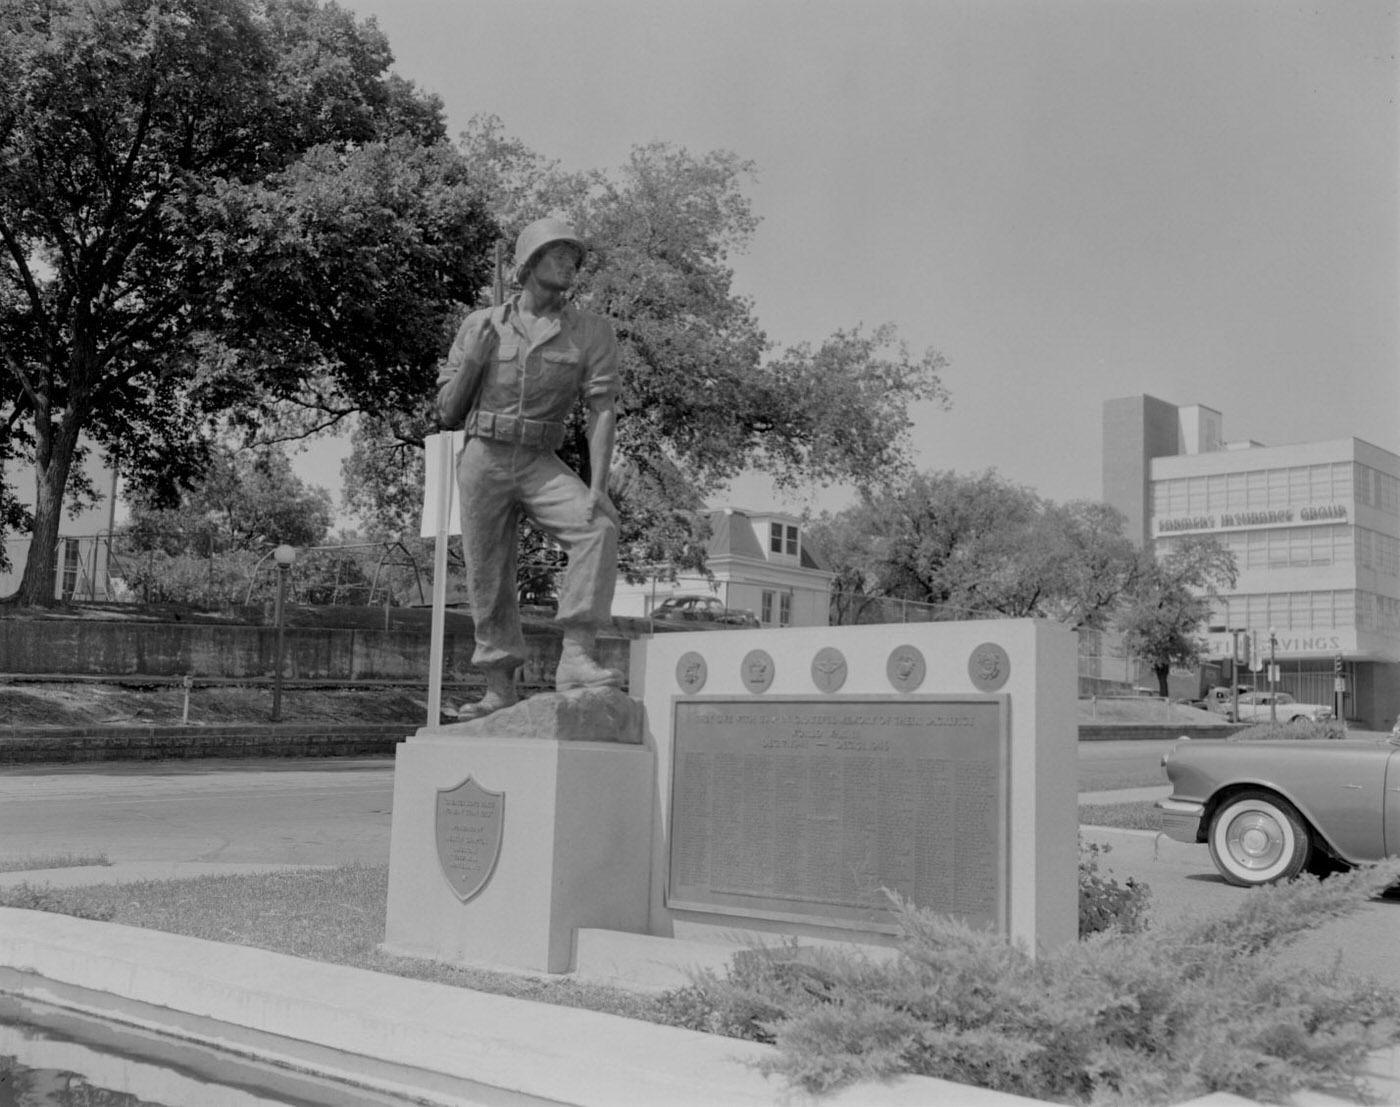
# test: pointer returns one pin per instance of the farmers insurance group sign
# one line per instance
(1327, 513)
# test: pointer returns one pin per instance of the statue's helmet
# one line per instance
(538, 235)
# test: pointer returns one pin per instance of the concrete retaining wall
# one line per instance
(66, 745)
(85, 647)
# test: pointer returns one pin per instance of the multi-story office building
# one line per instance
(1315, 530)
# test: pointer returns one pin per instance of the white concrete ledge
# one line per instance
(442, 1033)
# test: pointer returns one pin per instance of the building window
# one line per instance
(71, 554)
(785, 609)
(782, 539)
(766, 609)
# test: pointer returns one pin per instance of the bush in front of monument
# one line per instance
(1104, 903)
(1153, 1015)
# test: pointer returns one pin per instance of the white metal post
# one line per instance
(445, 483)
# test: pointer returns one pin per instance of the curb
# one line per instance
(447, 1046)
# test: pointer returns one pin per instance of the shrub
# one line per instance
(1302, 730)
(1137, 1016)
(1104, 903)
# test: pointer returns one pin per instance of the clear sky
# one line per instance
(1072, 200)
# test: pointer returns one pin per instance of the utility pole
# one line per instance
(1273, 676)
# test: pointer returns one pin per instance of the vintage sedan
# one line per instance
(1261, 706)
(1269, 810)
(703, 609)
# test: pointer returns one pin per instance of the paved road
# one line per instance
(228, 814)
(1105, 763)
(284, 811)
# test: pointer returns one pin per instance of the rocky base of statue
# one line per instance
(595, 714)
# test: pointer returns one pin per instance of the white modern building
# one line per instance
(758, 561)
(1315, 530)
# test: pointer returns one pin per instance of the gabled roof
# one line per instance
(730, 540)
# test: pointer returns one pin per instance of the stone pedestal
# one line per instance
(550, 835)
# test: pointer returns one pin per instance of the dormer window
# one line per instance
(782, 539)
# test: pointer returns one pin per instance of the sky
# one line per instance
(1072, 201)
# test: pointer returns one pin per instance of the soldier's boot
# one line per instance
(578, 664)
(500, 692)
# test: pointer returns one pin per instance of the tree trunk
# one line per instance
(1161, 672)
(53, 459)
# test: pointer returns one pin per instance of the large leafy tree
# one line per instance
(977, 545)
(704, 396)
(248, 499)
(1170, 602)
(211, 207)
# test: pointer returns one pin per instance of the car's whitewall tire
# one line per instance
(1257, 838)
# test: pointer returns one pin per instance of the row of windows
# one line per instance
(1378, 490)
(1296, 611)
(1380, 552)
(782, 539)
(782, 602)
(1306, 547)
(1270, 489)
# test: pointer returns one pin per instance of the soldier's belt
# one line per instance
(536, 433)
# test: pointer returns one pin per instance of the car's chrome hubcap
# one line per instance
(1255, 840)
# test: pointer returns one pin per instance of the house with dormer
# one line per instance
(758, 561)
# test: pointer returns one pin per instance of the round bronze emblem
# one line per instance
(829, 669)
(691, 672)
(989, 667)
(756, 671)
(905, 668)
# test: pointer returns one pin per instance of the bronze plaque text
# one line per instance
(804, 809)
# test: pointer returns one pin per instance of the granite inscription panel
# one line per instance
(798, 808)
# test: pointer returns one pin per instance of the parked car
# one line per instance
(703, 609)
(1268, 810)
(1258, 707)
(1221, 700)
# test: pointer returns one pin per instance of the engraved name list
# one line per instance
(808, 809)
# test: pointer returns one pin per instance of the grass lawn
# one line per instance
(35, 861)
(1097, 782)
(334, 915)
(1139, 815)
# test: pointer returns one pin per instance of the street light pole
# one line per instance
(284, 555)
(1273, 670)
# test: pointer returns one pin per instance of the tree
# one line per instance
(211, 208)
(1171, 599)
(247, 500)
(704, 396)
(978, 545)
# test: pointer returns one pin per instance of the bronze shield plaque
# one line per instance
(469, 824)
